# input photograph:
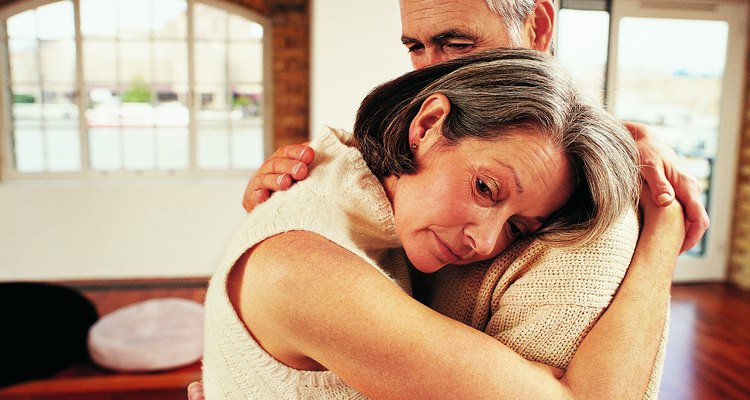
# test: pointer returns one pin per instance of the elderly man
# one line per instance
(528, 298)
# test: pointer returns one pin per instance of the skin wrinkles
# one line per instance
(439, 208)
(430, 27)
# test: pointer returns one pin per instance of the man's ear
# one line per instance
(540, 25)
(425, 127)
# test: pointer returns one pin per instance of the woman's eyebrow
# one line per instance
(516, 179)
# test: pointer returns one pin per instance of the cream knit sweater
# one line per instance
(342, 201)
(541, 301)
(537, 300)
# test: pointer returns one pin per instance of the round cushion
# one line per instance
(151, 335)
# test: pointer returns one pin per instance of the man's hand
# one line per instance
(659, 168)
(195, 391)
(287, 165)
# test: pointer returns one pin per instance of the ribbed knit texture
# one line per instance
(342, 201)
(542, 301)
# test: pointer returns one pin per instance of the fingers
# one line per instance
(288, 164)
(195, 391)
(696, 217)
(661, 190)
(300, 152)
(279, 166)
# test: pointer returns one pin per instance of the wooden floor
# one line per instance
(708, 353)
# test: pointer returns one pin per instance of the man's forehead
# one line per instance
(429, 18)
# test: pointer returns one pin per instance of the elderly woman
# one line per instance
(312, 299)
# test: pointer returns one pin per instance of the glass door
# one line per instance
(678, 67)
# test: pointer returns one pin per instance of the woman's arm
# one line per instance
(346, 316)
(616, 357)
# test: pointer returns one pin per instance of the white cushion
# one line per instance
(151, 335)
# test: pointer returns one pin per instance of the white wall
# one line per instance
(356, 45)
(172, 228)
(116, 229)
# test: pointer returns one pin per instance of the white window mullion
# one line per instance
(81, 89)
(192, 114)
(6, 126)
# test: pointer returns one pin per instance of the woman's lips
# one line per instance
(448, 255)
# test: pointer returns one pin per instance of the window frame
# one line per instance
(9, 173)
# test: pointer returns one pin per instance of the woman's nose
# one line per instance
(484, 237)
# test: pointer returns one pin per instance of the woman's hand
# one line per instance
(659, 167)
(287, 165)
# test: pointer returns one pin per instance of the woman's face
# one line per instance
(470, 201)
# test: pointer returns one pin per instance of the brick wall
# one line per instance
(739, 259)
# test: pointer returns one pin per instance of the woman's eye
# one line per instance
(483, 187)
(515, 230)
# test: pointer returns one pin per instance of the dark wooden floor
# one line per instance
(708, 353)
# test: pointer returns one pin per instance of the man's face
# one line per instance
(439, 30)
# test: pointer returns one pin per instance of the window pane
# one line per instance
(247, 146)
(170, 19)
(99, 18)
(135, 18)
(23, 61)
(210, 62)
(27, 103)
(56, 21)
(582, 46)
(173, 145)
(63, 145)
(28, 144)
(213, 144)
(135, 61)
(247, 101)
(680, 96)
(58, 60)
(245, 62)
(105, 148)
(139, 148)
(170, 61)
(100, 61)
(23, 25)
(210, 22)
(241, 28)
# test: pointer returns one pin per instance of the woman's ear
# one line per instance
(425, 127)
(540, 26)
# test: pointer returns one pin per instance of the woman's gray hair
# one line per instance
(514, 14)
(492, 94)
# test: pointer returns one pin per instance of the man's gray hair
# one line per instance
(501, 93)
(514, 14)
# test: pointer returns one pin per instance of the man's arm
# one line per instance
(659, 167)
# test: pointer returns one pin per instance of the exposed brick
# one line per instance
(739, 258)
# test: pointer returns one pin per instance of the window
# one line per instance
(118, 87)
(583, 42)
(678, 68)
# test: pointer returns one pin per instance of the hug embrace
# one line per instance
(491, 172)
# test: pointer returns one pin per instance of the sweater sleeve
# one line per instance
(541, 301)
